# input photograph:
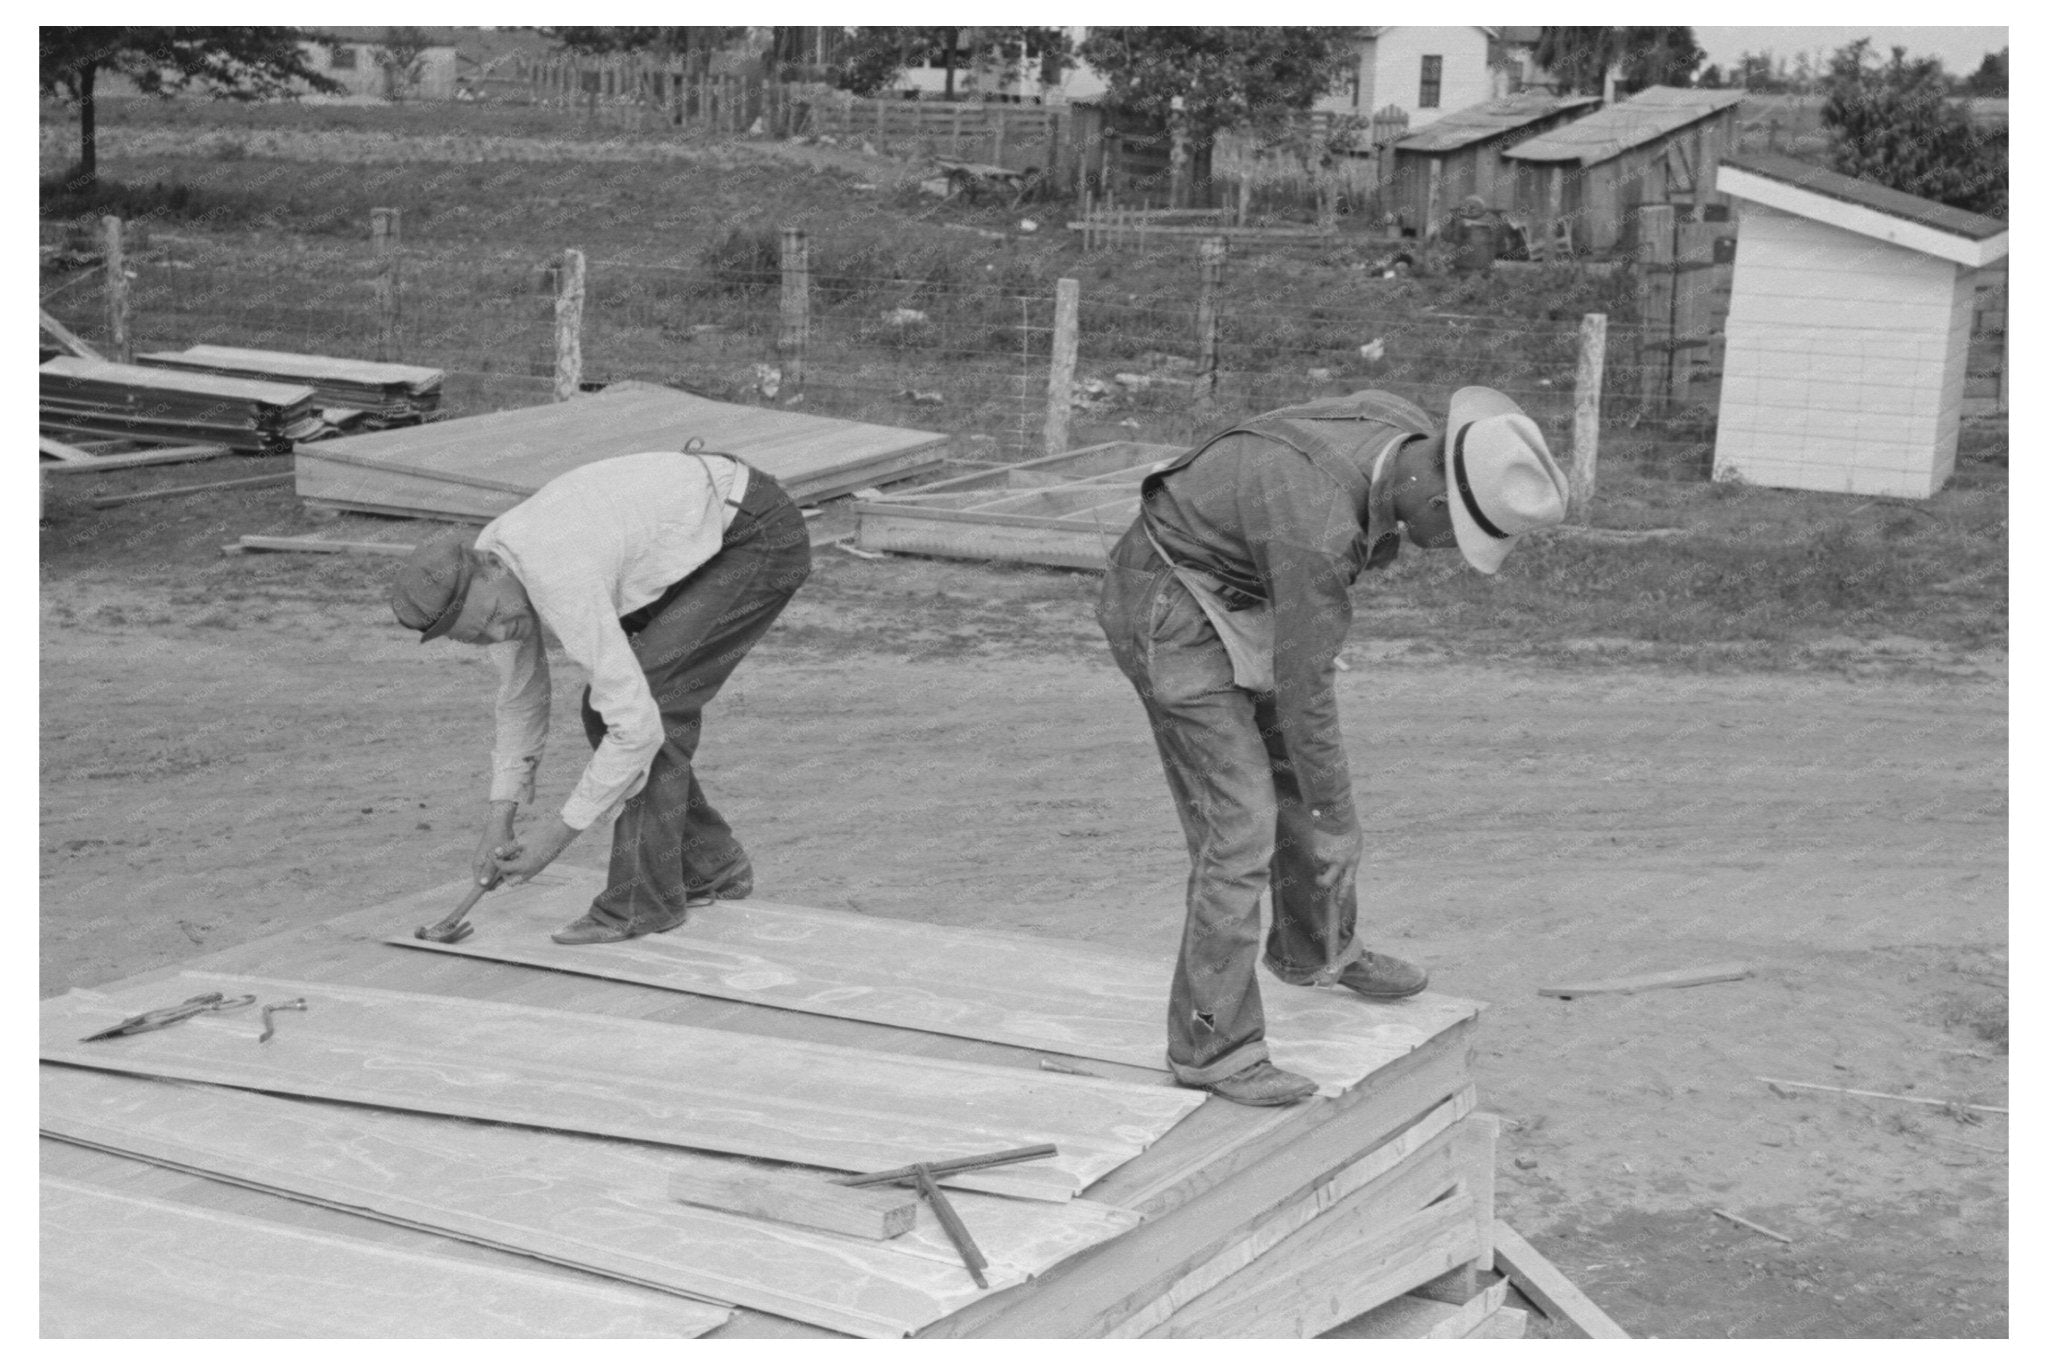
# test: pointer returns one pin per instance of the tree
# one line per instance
(1202, 81)
(690, 43)
(1892, 122)
(232, 63)
(1988, 81)
(1712, 79)
(1579, 58)
(403, 56)
(876, 56)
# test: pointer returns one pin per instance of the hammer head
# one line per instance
(454, 933)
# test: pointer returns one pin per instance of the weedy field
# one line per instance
(248, 225)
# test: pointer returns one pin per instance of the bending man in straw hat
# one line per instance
(657, 572)
(1225, 604)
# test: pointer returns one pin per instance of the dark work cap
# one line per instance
(428, 593)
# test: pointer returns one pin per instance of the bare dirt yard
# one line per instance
(234, 746)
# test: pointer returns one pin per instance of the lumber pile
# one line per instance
(705, 1118)
(385, 395)
(99, 399)
(473, 468)
(1064, 510)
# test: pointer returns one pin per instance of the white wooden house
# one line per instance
(1425, 71)
(1848, 331)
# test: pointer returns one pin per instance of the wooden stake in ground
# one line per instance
(796, 308)
(1586, 414)
(1059, 383)
(384, 246)
(569, 326)
(1213, 252)
(118, 339)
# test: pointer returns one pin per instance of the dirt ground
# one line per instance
(230, 747)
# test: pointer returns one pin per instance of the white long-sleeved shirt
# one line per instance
(590, 546)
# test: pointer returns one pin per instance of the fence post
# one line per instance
(796, 308)
(1655, 226)
(1066, 345)
(569, 326)
(1212, 251)
(1586, 414)
(119, 343)
(384, 247)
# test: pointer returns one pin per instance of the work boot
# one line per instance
(1261, 1083)
(1379, 977)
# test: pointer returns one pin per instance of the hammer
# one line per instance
(452, 929)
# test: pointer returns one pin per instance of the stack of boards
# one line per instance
(1063, 510)
(366, 393)
(473, 468)
(585, 1139)
(101, 400)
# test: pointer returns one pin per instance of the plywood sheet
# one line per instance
(666, 1083)
(1034, 516)
(456, 465)
(125, 1266)
(1069, 998)
(593, 1203)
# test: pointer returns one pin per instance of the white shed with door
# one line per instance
(1848, 331)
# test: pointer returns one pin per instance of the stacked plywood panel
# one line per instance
(384, 394)
(1065, 510)
(98, 399)
(541, 1118)
(473, 468)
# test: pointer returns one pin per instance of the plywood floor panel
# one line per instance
(526, 447)
(587, 1202)
(124, 1265)
(1066, 998)
(654, 1082)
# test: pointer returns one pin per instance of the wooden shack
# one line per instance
(1848, 333)
(1659, 146)
(1437, 167)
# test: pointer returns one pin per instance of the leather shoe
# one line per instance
(1261, 1083)
(590, 929)
(1379, 977)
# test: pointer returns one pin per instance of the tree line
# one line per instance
(1892, 121)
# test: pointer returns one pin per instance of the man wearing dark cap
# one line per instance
(1226, 604)
(657, 573)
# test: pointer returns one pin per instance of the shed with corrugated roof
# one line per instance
(1848, 332)
(1437, 167)
(1659, 146)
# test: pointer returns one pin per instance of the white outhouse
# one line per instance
(1848, 331)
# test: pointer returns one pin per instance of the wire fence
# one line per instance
(940, 351)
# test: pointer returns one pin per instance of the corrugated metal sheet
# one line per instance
(1848, 189)
(1463, 127)
(1643, 117)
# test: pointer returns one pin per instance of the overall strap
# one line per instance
(1308, 428)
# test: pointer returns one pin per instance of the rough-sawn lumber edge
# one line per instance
(806, 1201)
(1546, 1286)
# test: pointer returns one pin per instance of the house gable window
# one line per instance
(1432, 83)
(341, 58)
